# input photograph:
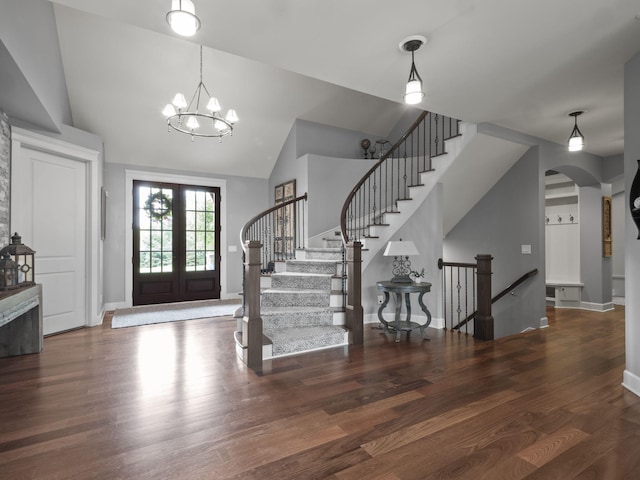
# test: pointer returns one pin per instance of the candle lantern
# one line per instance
(23, 256)
(8, 272)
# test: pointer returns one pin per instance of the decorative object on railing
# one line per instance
(17, 264)
(382, 144)
(193, 120)
(576, 139)
(365, 144)
(634, 199)
(401, 251)
(388, 181)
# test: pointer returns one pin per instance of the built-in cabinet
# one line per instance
(562, 238)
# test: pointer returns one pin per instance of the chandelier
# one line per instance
(193, 120)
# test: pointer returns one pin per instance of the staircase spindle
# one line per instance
(388, 181)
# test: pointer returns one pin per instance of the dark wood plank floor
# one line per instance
(172, 401)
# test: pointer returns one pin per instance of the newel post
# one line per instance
(354, 313)
(483, 323)
(252, 322)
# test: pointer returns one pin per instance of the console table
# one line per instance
(398, 289)
(21, 321)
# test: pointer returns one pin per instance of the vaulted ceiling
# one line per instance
(520, 65)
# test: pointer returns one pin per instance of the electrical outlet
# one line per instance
(380, 299)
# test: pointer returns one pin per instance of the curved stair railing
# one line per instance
(388, 182)
(378, 193)
(271, 236)
(280, 230)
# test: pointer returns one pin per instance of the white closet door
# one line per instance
(49, 211)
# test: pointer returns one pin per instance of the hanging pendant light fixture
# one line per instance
(189, 118)
(413, 91)
(182, 18)
(576, 139)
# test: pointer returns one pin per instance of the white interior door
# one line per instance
(50, 213)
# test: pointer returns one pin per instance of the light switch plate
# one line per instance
(233, 248)
(526, 249)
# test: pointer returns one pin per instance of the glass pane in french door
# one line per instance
(156, 229)
(200, 230)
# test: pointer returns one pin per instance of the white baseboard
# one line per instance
(114, 306)
(230, 296)
(597, 307)
(544, 322)
(618, 300)
(631, 382)
(97, 320)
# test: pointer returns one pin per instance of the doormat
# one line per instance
(172, 312)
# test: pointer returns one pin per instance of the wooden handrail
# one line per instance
(442, 264)
(243, 232)
(514, 285)
(511, 286)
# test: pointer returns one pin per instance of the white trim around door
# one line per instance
(21, 138)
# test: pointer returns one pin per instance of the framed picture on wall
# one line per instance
(606, 227)
(284, 227)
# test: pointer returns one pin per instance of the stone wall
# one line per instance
(5, 178)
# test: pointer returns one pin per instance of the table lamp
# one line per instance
(400, 251)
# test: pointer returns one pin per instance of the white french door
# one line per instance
(50, 213)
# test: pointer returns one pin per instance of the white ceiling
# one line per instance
(520, 65)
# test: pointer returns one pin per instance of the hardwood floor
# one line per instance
(172, 401)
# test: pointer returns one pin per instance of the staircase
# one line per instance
(301, 307)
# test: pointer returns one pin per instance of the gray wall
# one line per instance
(329, 141)
(584, 169)
(331, 180)
(632, 245)
(595, 270)
(310, 138)
(424, 228)
(289, 166)
(28, 32)
(503, 220)
(246, 196)
(612, 167)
